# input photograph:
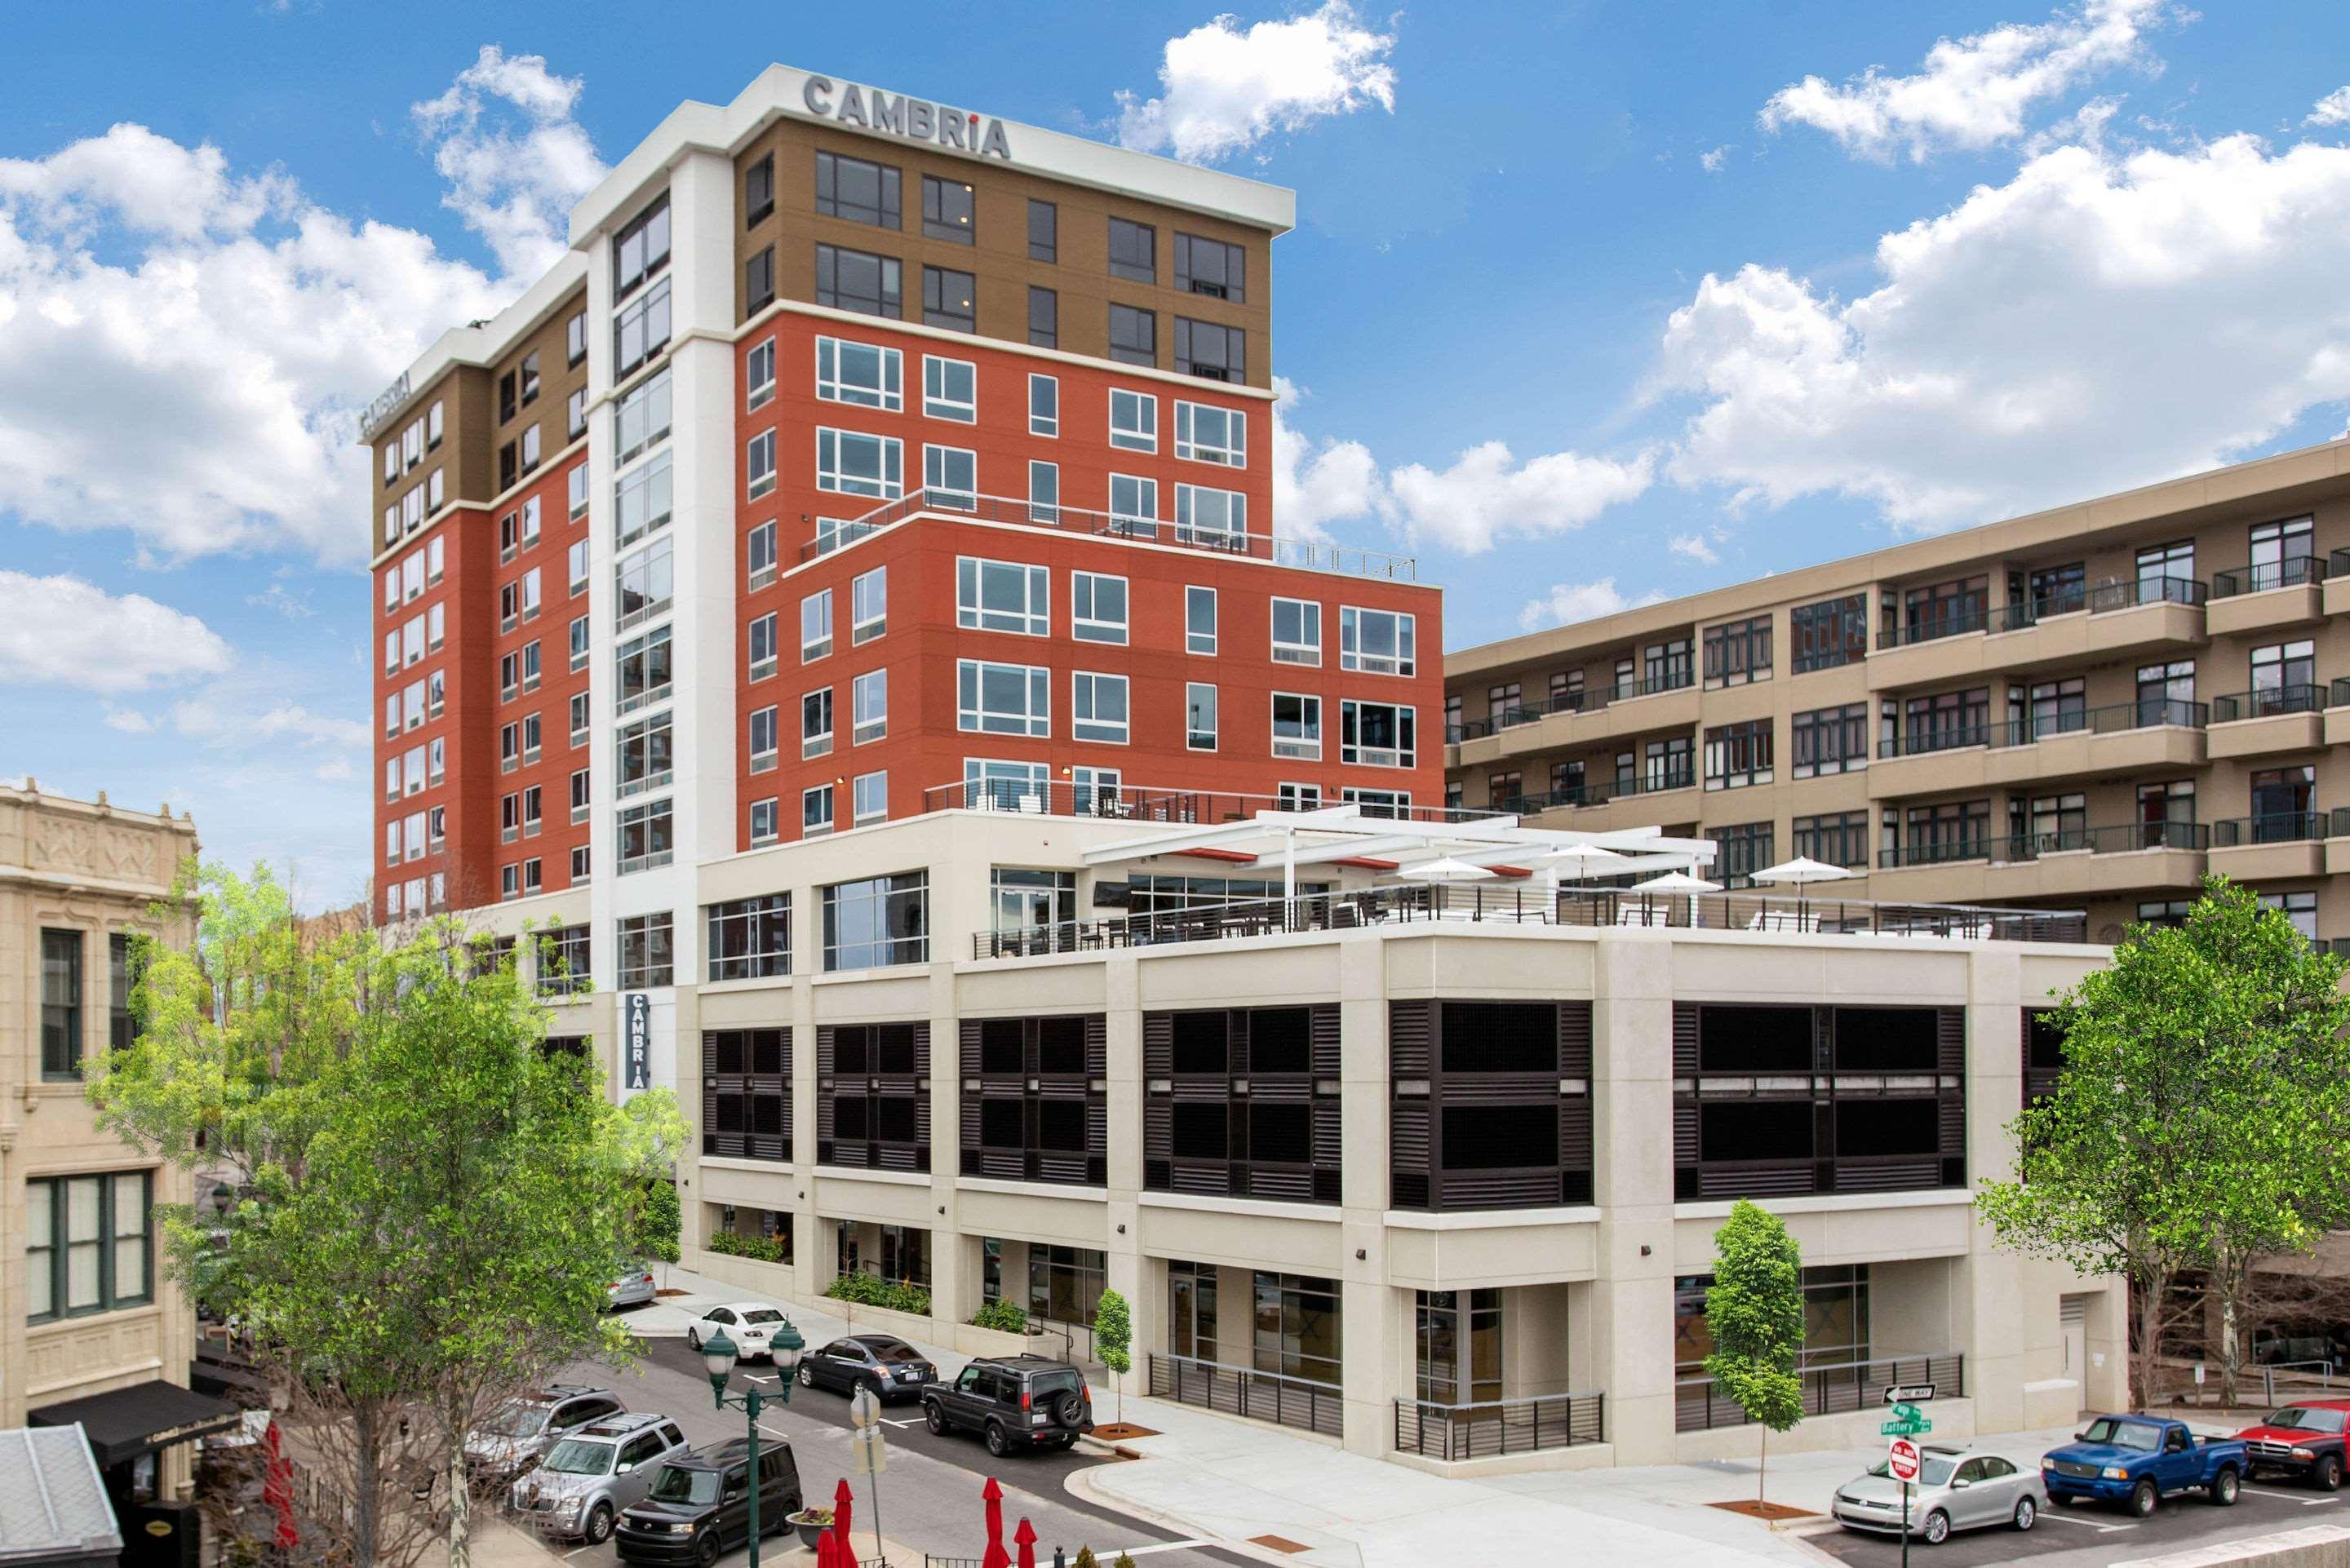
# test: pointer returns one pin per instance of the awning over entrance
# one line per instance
(124, 1423)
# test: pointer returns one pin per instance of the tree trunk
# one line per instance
(367, 1478)
(1762, 1467)
(2147, 1338)
(460, 1503)
(2228, 1349)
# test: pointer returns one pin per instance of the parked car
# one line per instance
(1954, 1491)
(748, 1323)
(632, 1285)
(517, 1435)
(1014, 1401)
(2301, 1442)
(594, 1472)
(881, 1362)
(698, 1506)
(2138, 1460)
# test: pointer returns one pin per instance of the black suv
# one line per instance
(698, 1506)
(1014, 1401)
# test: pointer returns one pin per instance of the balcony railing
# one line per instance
(1827, 1391)
(1938, 852)
(1497, 1426)
(1305, 553)
(2300, 697)
(2018, 614)
(2262, 576)
(1943, 738)
(1589, 699)
(2270, 827)
(1273, 1397)
(2118, 839)
(2145, 713)
(1527, 903)
(1145, 803)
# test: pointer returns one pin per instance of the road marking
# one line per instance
(887, 1422)
(2050, 1517)
(2318, 1502)
(1163, 1546)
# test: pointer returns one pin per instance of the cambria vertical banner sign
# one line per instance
(636, 1040)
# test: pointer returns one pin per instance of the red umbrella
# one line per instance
(1025, 1539)
(995, 1556)
(843, 1505)
(824, 1550)
(277, 1488)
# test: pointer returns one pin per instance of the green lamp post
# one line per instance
(718, 1355)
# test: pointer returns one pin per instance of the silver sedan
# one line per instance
(1954, 1491)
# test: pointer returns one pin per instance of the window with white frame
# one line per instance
(435, 560)
(857, 464)
(412, 444)
(1098, 607)
(642, 665)
(763, 825)
(1002, 596)
(391, 651)
(575, 414)
(391, 587)
(391, 778)
(1133, 420)
(577, 480)
(1043, 405)
(815, 626)
(1377, 642)
(412, 770)
(765, 749)
(646, 582)
(639, 417)
(412, 576)
(411, 509)
(435, 688)
(950, 389)
(390, 462)
(762, 646)
(1205, 433)
(1200, 716)
(580, 719)
(392, 715)
(869, 701)
(1378, 735)
(1043, 492)
(1200, 621)
(1134, 504)
(391, 522)
(641, 752)
(816, 811)
(1297, 726)
(436, 827)
(951, 474)
(644, 497)
(759, 463)
(759, 556)
(580, 642)
(859, 374)
(1297, 797)
(1098, 707)
(646, 839)
(1296, 631)
(436, 763)
(413, 834)
(759, 377)
(815, 724)
(1004, 699)
(412, 641)
(869, 798)
(436, 490)
(582, 795)
(868, 605)
(435, 627)
(577, 561)
(1209, 516)
(412, 703)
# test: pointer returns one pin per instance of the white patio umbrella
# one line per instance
(1673, 882)
(1801, 873)
(1442, 871)
(1579, 860)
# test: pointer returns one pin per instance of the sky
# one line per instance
(1588, 304)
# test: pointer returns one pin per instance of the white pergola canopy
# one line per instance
(1400, 847)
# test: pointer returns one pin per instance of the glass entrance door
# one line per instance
(1459, 1347)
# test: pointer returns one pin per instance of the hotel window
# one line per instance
(1002, 596)
(856, 280)
(435, 769)
(2056, 823)
(414, 769)
(61, 979)
(1044, 318)
(1214, 353)
(759, 282)
(412, 444)
(1836, 839)
(861, 192)
(574, 348)
(1831, 740)
(412, 576)
(1829, 634)
(950, 389)
(644, 670)
(390, 524)
(575, 423)
(815, 724)
(1205, 516)
(412, 703)
(1296, 631)
(435, 490)
(1133, 420)
(947, 209)
(1297, 797)
(876, 922)
(762, 646)
(1205, 433)
(390, 462)
(576, 483)
(868, 799)
(758, 191)
(759, 463)
(868, 697)
(88, 1244)
(1043, 405)
(2299, 909)
(1957, 830)
(1133, 251)
(534, 813)
(582, 796)
(580, 639)
(764, 748)
(759, 375)
(645, 838)
(1043, 492)
(436, 827)
(1210, 268)
(1297, 726)
(2284, 678)
(1004, 699)
(1199, 622)
(1379, 734)
(646, 582)
(868, 605)
(816, 811)
(860, 374)
(1739, 652)
(1043, 230)
(1377, 642)
(1134, 504)
(766, 828)
(412, 636)
(646, 952)
(1133, 336)
(1744, 850)
(2166, 573)
(759, 557)
(1098, 607)
(857, 464)
(1098, 707)
(949, 299)
(950, 476)
(579, 870)
(529, 378)
(640, 328)
(641, 249)
(2282, 553)
(1200, 717)
(575, 563)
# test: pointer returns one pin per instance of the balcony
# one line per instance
(2096, 625)
(2338, 707)
(1498, 1426)
(2267, 596)
(1582, 718)
(1146, 802)
(1302, 553)
(1699, 1406)
(1929, 760)
(2336, 592)
(2074, 864)
(2267, 722)
(2111, 741)
(2270, 845)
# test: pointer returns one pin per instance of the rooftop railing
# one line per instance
(1526, 903)
(1146, 802)
(1495, 1426)
(2262, 576)
(1305, 553)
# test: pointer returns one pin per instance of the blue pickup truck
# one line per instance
(2137, 1461)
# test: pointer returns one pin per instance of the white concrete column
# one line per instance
(1368, 1310)
(2003, 1311)
(812, 1257)
(954, 1278)
(1140, 1279)
(1630, 1332)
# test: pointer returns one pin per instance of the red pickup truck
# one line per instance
(2303, 1441)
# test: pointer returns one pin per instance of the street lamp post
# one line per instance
(718, 1355)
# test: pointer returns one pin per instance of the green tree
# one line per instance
(1754, 1314)
(2201, 1120)
(664, 1223)
(1114, 1338)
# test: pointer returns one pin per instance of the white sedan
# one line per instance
(748, 1323)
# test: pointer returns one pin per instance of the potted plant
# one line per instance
(811, 1522)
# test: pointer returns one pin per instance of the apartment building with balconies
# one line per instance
(2089, 706)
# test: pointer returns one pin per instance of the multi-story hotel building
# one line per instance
(2090, 707)
(882, 688)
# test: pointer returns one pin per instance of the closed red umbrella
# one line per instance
(843, 1504)
(278, 1488)
(826, 1553)
(1025, 1539)
(995, 1555)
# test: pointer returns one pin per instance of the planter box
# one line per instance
(777, 1282)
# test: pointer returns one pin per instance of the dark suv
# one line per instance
(1014, 1401)
(698, 1506)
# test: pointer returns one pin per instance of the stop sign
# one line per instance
(1901, 1460)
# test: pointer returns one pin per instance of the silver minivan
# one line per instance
(593, 1473)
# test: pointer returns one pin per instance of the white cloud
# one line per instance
(1569, 602)
(220, 718)
(244, 322)
(514, 185)
(129, 721)
(1693, 547)
(1317, 483)
(1222, 89)
(2334, 108)
(1714, 160)
(2097, 322)
(1975, 91)
(334, 770)
(1487, 495)
(63, 631)
(293, 606)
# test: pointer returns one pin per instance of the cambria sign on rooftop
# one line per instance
(912, 118)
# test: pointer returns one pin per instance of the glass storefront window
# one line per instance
(1459, 1348)
(1835, 1318)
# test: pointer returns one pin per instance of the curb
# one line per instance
(1079, 1484)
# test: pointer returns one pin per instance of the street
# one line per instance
(929, 1495)
(2086, 1533)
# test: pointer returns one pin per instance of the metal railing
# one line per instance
(1273, 1396)
(2269, 701)
(1827, 1391)
(1589, 699)
(1940, 852)
(1940, 738)
(1306, 555)
(1525, 903)
(1148, 802)
(2018, 614)
(2262, 576)
(2118, 718)
(2270, 827)
(1496, 1427)
(2118, 840)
